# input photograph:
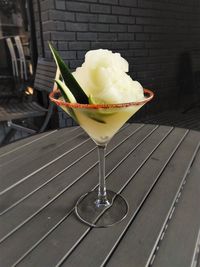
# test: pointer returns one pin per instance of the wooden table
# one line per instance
(156, 168)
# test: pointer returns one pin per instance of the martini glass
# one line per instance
(101, 207)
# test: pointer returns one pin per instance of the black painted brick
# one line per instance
(86, 17)
(131, 3)
(68, 54)
(141, 53)
(160, 37)
(99, 27)
(76, 6)
(146, 4)
(121, 45)
(135, 45)
(126, 36)
(73, 64)
(118, 28)
(47, 36)
(101, 45)
(126, 19)
(142, 36)
(61, 15)
(91, 1)
(135, 28)
(47, 4)
(79, 45)
(120, 10)
(62, 45)
(60, 4)
(107, 18)
(111, 2)
(60, 26)
(81, 54)
(107, 36)
(86, 36)
(103, 9)
(44, 15)
(154, 29)
(76, 26)
(138, 12)
(48, 25)
(149, 21)
(63, 36)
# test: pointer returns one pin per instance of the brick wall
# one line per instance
(150, 34)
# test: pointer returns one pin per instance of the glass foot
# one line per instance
(90, 212)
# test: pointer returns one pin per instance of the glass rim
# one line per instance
(98, 106)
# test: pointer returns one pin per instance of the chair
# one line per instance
(22, 60)
(14, 111)
(13, 58)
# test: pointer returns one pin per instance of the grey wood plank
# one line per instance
(58, 176)
(45, 190)
(177, 248)
(21, 149)
(73, 229)
(139, 185)
(45, 175)
(62, 204)
(137, 245)
(23, 167)
(22, 191)
(7, 149)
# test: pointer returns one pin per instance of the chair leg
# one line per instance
(20, 128)
(48, 116)
(8, 136)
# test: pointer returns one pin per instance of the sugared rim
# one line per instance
(97, 106)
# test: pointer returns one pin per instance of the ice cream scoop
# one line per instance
(103, 77)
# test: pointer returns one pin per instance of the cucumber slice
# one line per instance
(68, 97)
(68, 78)
(95, 116)
(101, 111)
(66, 93)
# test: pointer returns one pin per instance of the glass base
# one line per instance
(90, 212)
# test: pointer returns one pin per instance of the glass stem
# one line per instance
(102, 195)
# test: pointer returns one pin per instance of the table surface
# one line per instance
(156, 168)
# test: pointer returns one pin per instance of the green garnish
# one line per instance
(67, 96)
(68, 78)
(71, 90)
(95, 116)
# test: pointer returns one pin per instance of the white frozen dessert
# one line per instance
(104, 79)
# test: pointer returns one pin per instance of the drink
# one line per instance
(102, 123)
(103, 76)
